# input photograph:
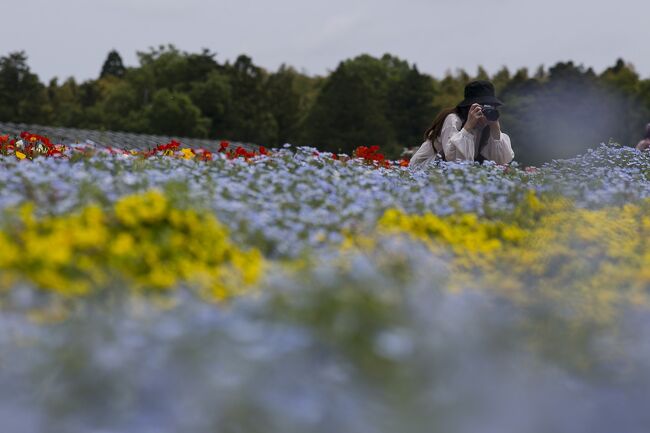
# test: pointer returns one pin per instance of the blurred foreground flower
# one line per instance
(143, 241)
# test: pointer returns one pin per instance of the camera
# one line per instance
(490, 112)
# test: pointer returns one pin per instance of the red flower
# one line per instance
(170, 147)
(206, 155)
(240, 152)
(369, 154)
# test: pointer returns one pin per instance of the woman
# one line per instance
(645, 143)
(463, 133)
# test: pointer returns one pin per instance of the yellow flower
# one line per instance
(588, 262)
(187, 153)
(122, 245)
(20, 155)
(142, 242)
(141, 209)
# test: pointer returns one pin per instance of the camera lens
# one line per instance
(490, 112)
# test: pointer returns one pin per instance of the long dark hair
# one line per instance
(434, 131)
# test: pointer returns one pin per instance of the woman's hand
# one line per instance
(475, 118)
(495, 130)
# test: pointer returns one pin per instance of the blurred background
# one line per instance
(334, 75)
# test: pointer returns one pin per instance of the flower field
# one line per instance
(188, 290)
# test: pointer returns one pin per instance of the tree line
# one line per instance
(549, 113)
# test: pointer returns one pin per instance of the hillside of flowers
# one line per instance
(180, 289)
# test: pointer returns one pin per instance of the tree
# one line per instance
(501, 79)
(249, 116)
(213, 96)
(22, 95)
(120, 107)
(449, 90)
(352, 107)
(292, 95)
(65, 103)
(113, 66)
(173, 113)
(167, 67)
(626, 90)
(410, 106)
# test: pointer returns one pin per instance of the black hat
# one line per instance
(479, 92)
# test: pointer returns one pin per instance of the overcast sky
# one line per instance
(72, 37)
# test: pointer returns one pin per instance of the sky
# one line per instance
(64, 38)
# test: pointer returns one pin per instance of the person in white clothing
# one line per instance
(468, 132)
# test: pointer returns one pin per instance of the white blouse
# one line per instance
(460, 145)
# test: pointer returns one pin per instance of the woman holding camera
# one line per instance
(468, 132)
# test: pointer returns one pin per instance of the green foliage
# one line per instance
(249, 117)
(169, 68)
(410, 106)
(370, 101)
(22, 95)
(120, 106)
(548, 113)
(173, 113)
(291, 96)
(350, 110)
(113, 66)
(213, 97)
(65, 107)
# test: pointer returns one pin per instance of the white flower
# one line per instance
(20, 144)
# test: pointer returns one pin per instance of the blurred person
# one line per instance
(468, 132)
(645, 143)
